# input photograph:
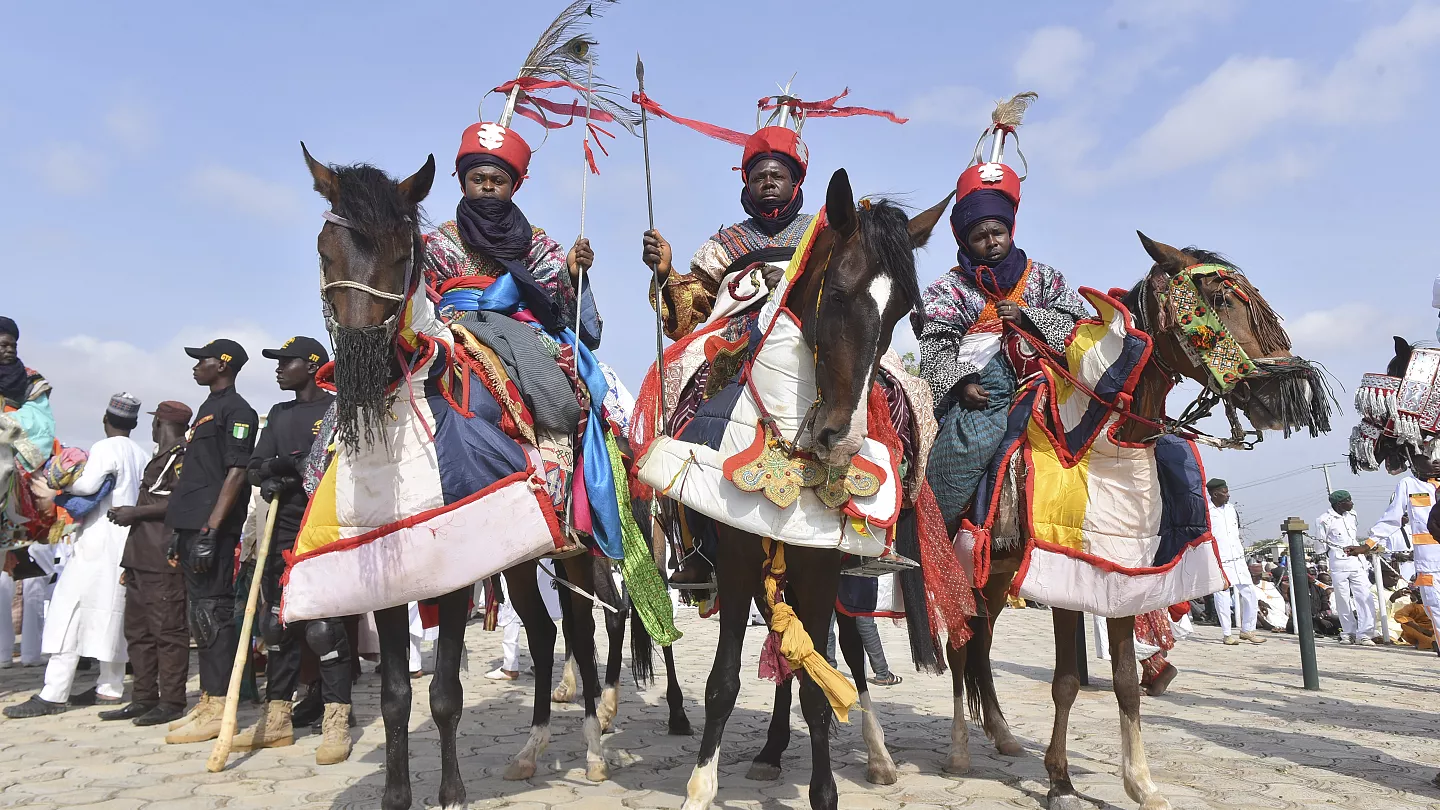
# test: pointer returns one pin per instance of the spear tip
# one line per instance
(639, 68)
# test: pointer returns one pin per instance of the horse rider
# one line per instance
(155, 629)
(206, 514)
(969, 351)
(489, 262)
(290, 432)
(1403, 526)
(772, 171)
(1349, 570)
(1225, 523)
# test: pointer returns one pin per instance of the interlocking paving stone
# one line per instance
(1236, 732)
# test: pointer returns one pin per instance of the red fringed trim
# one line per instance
(948, 589)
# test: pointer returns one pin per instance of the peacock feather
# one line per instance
(566, 51)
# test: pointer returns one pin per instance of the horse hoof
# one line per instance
(1156, 802)
(1010, 748)
(680, 727)
(562, 694)
(597, 772)
(518, 771)
(763, 772)
(1067, 802)
(959, 764)
(881, 773)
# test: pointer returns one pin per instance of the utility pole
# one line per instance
(1325, 468)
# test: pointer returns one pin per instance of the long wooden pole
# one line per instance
(221, 752)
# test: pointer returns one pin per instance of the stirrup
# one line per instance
(711, 584)
(888, 563)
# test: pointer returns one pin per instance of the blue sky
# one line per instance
(158, 197)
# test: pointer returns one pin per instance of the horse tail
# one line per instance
(642, 649)
(923, 644)
(980, 678)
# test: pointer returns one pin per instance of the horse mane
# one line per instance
(1264, 320)
(371, 200)
(885, 235)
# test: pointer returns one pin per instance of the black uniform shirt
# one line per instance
(290, 432)
(222, 438)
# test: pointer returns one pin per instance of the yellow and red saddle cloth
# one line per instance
(1112, 528)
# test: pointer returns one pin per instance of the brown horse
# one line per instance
(1287, 395)
(369, 248)
(859, 281)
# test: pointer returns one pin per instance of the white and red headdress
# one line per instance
(992, 174)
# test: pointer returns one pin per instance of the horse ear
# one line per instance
(1402, 347)
(840, 204)
(325, 181)
(1171, 260)
(924, 222)
(414, 188)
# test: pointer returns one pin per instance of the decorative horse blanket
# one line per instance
(730, 461)
(444, 499)
(1406, 409)
(1112, 528)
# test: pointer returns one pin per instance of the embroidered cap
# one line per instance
(224, 349)
(488, 138)
(124, 406)
(299, 346)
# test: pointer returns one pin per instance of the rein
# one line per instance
(326, 286)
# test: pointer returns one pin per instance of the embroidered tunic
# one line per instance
(449, 257)
(953, 305)
(688, 298)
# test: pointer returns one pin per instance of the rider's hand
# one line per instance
(974, 397)
(581, 257)
(657, 254)
(1008, 311)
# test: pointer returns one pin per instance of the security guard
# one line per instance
(290, 433)
(207, 512)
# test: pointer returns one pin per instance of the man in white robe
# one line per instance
(1226, 526)
(87, 608)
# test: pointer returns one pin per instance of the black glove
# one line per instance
(270, 488)
(172, 551)
(202, 552)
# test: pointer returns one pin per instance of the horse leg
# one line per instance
(615, 635)
(738, 572)
(679, 722)
(766, 765)
(1063, 688)
(814, 580)
(540, 637)
(1134, 769)
(959, 728)
(393, 627)
(981, 676)
(446, 695)
(569, 687)
(879, 766)
(580, 619)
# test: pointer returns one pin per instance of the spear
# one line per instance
(654, 277)
(584, 183)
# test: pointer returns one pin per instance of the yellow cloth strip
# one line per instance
(795, 642)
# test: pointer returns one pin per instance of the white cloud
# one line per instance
(132, 125)
(1053, 60)
(1340, 327)
(246, 193)
(950, 104)
(1382, 71)
(1241, 178)
(67, 169)
(85, 370)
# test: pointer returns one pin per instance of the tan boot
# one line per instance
(272, 730)
(190, 715)
(1252, 638)
(335, 744)
(205, 725)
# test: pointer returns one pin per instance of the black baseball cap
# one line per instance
(300, 346)
(223, 348)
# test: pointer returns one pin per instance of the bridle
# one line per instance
(326, 286)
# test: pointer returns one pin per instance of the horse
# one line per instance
(369, 246)
(856, 283)
(1288, 395)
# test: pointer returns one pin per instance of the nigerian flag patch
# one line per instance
(240, 430)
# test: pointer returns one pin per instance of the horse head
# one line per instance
(370, 255)
(859, 283)
(1278, 390)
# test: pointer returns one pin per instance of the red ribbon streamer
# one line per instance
(711, 130)
(827, 108)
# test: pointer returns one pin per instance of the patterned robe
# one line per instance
(688, 298)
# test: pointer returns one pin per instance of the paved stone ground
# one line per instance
(1236, 731)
